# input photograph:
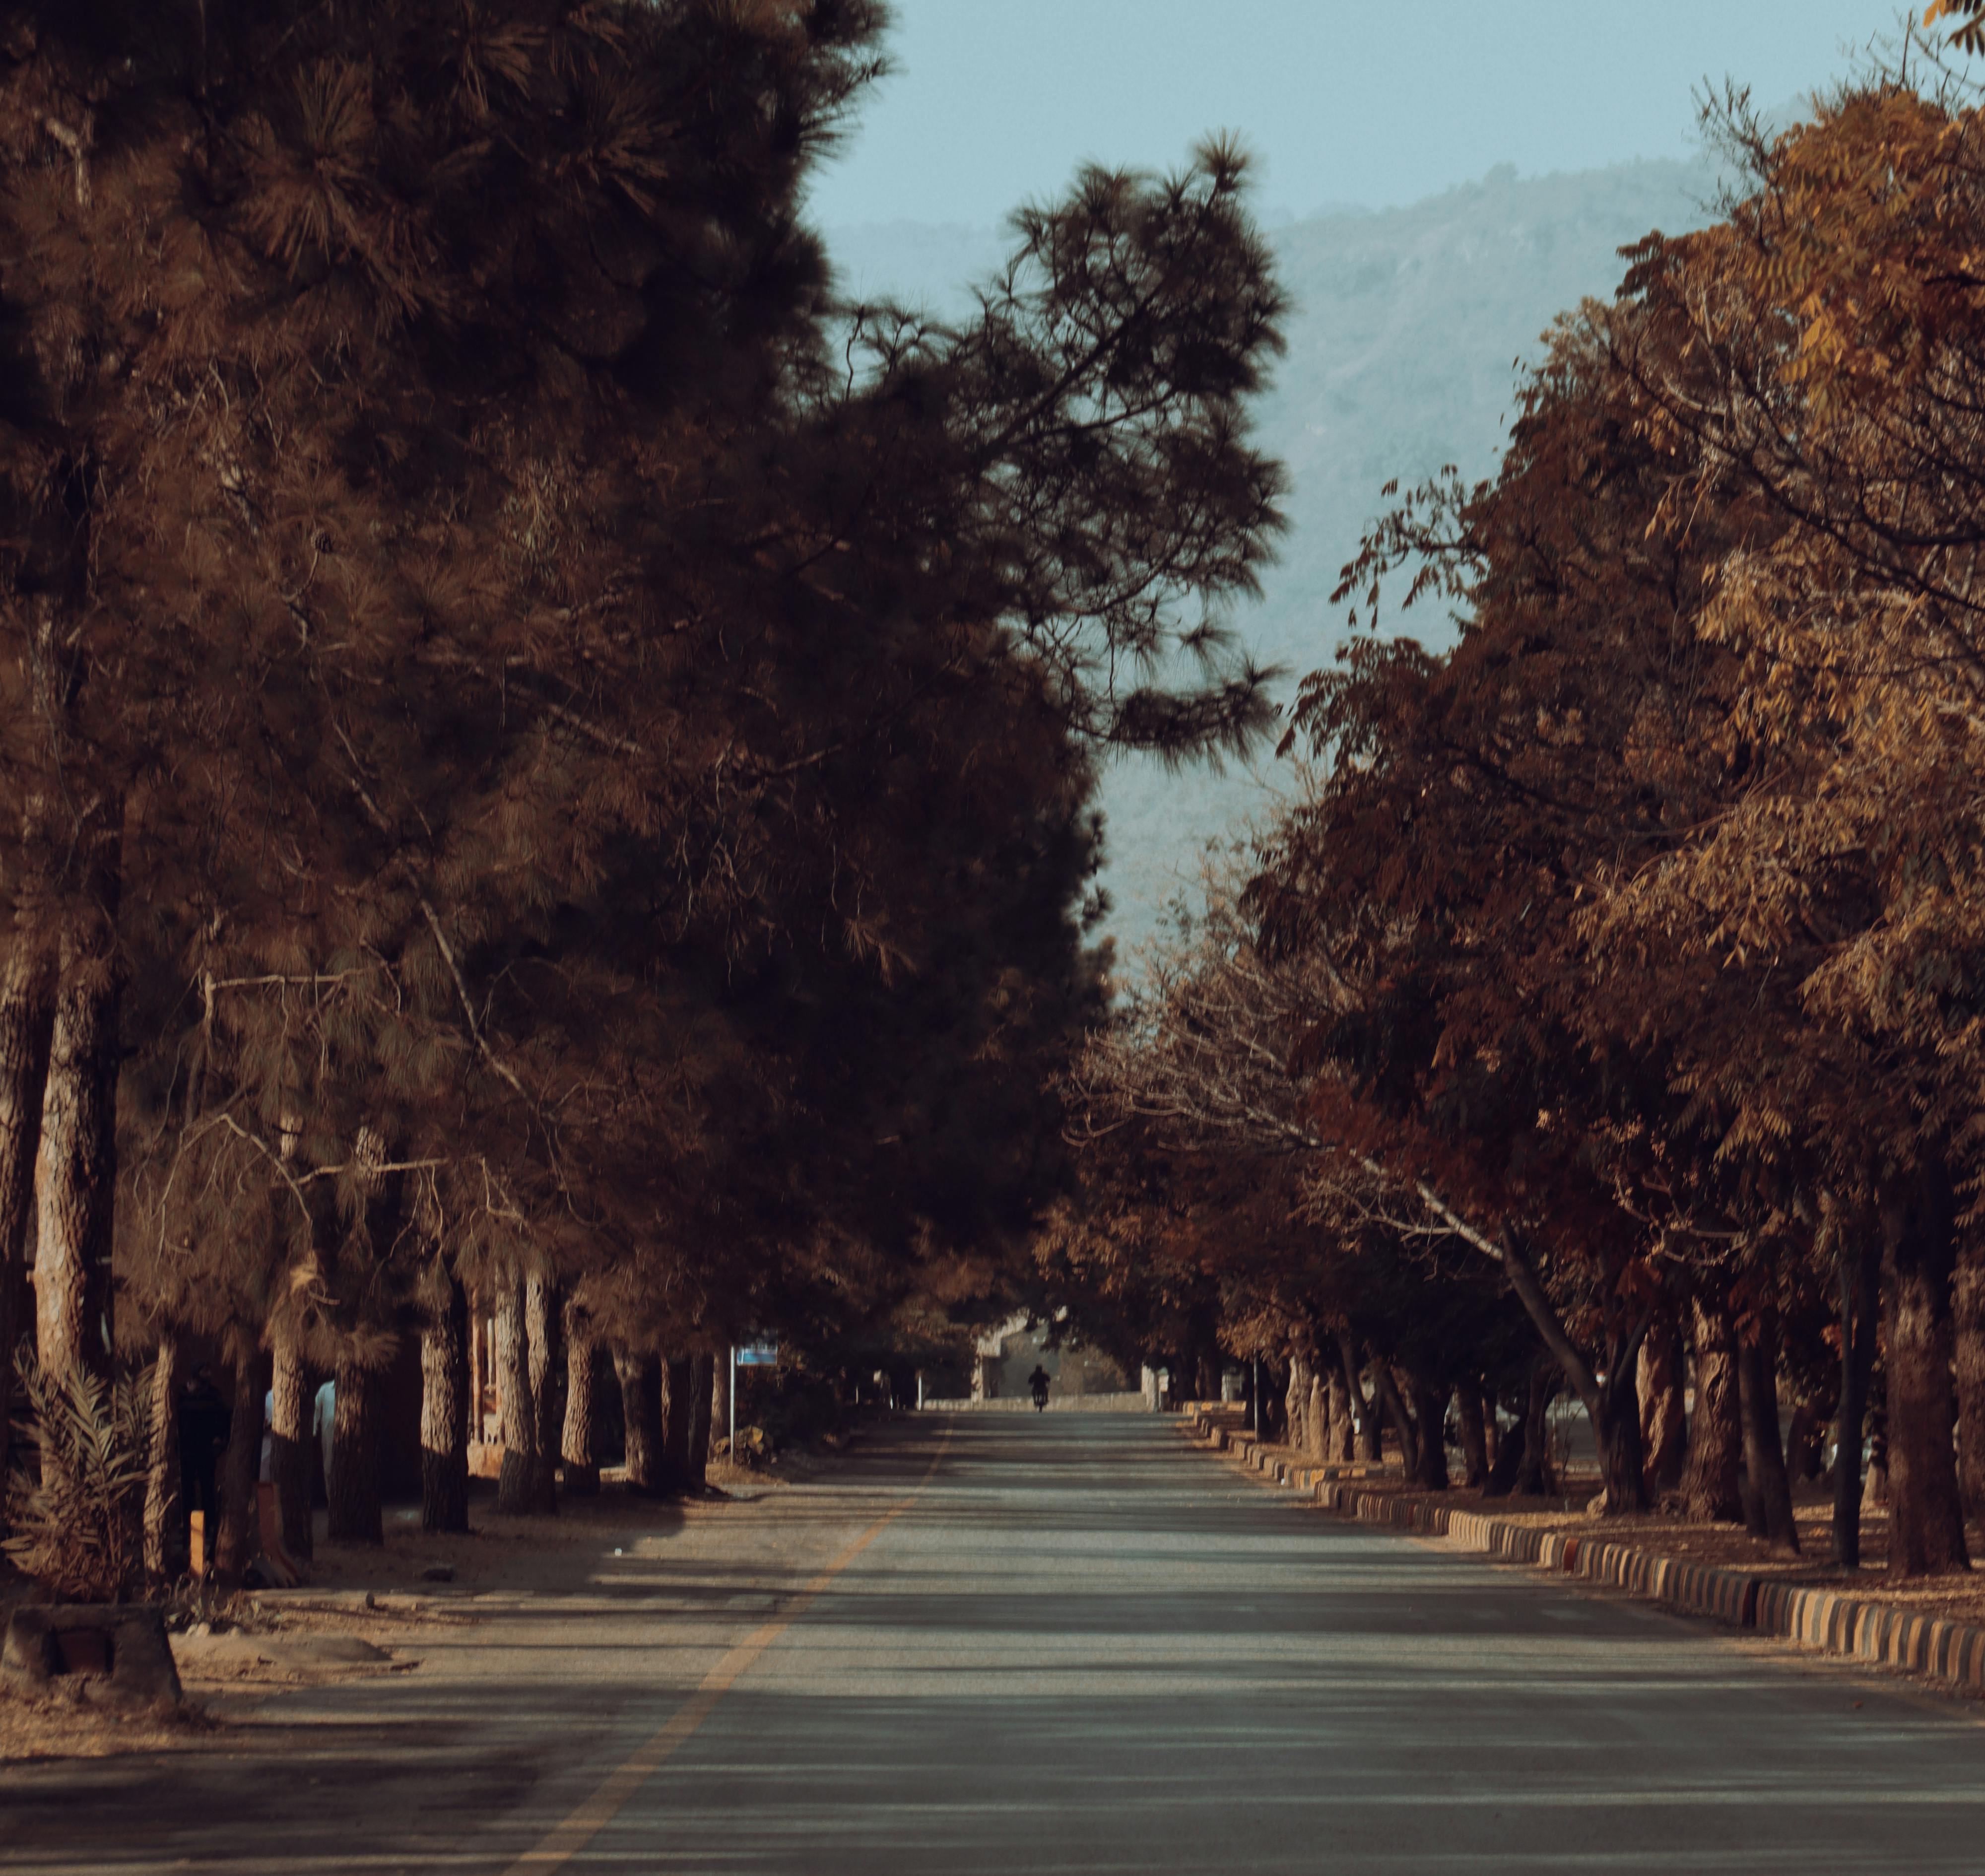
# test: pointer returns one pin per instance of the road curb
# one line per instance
(1819, 1620)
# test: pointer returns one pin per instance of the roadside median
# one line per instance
(1814, 1617)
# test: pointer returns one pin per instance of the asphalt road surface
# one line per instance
(1062, 1644)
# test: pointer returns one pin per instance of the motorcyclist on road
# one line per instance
(1038, 1383)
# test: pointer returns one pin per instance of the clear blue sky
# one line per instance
(995, 101)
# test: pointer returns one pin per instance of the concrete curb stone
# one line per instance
(1820, 1620)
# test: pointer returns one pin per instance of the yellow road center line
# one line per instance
(572, 1835)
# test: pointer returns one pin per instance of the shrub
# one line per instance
(75, 1510)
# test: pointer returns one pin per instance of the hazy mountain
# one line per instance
(1404, 344)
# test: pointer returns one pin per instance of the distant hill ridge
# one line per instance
(1403, 348)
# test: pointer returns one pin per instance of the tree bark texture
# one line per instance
(27, 1018)
(1343, 1431)
(575, 1442)
(236, 1543)
(1429, 1406)
(1709, 1487)
(289, 1438)
(1510, 1452)
(678, 1417)
(640, 1377)
(1768, 1509)
(1474, 1433)
(1858, 1275)
(356, 1514)
(1295, 1405)
(541, 1324)
(1370, 1444)
(1385, 1386)
(1925, 1515)
(165, 1511)
(516, 1406)
(444, 1387)
(1534, 1477)
(1316, 1419)
(76, 1178)
(1968, 1365)
(702, 1380)
(1664, 1422)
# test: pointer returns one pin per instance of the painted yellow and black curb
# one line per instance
(1822, 1620)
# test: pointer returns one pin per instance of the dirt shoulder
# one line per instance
(377, 1611)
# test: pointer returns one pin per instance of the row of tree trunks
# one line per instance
(445, 1384)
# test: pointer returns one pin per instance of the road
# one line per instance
(1067, 1644)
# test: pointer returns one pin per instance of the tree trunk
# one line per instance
(640, 1378)
(703, 1378)
(444, 1386)
(575, 1443)
(165, 1511)
(514, 1401)
(1534, 1477)
(356, 1514)
(720, 1404)
(1925, 1516)
(678, 1417)
(1968, 1363)
(1709, 1489)
(27, 1017)
(1386, 1385)
(289, 1439)
(541, 1320)
(1859, 1273)
(1768, 1492)
(1474, 1433)
(1316, 1419)
(1295, 1404)
(1343, 1430)
(1510, 1452)
(1371, 1446)
(235, 1544)
(1429, 1406)
(76, 1178)
(1609, 1405)
(1664, 1423)
(1804, 1442)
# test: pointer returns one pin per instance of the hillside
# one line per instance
(1408, 327)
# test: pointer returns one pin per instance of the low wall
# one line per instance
(1821, 1620)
